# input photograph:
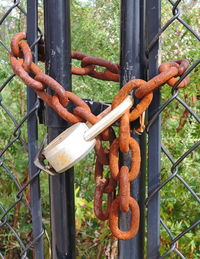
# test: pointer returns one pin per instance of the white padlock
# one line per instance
(77, 141)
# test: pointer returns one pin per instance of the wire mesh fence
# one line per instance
(176, 188)
(20, 190)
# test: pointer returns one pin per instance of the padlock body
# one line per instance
(68, 148)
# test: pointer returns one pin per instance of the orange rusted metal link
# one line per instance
(106, 75)
(110, 187)
(135, 219)
(89, 63)
(112, 67)
(135, 159)
(111, 184)
(19, 70)
(124, 188)
(85, 114)
(98, 170)
(102, 154)
(62, 111)
(141, 107)
(18, 47)
(182, 65)
(27, 55)
(81, 70)
(124, 133)
(168, 71)
(99, 190)
(125, 90)
(16, 39)
(48, 81)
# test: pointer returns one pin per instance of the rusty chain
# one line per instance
(22, 64)
(88, 65)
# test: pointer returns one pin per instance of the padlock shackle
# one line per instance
(108, 119)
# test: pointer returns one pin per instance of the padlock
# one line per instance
(77, 141)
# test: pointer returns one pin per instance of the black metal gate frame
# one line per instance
(58, 40)
(140, 32)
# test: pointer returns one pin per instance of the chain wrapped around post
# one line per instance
(22, 64)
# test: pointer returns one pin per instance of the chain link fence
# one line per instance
(173, 191)
(19, 190)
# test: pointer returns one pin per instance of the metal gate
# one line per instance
(163, 168)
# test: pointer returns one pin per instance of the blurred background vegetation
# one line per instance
(95, 29)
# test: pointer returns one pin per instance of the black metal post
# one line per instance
(154, 150)
(133, 66)
(57, 42)
(32, 35)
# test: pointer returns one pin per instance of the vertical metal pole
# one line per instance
(153, 225)
(133, 66)
(32, 34)
(57, 42)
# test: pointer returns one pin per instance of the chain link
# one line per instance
(88, 65)
(21, 62)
